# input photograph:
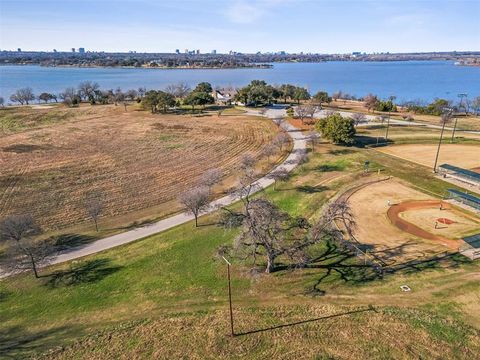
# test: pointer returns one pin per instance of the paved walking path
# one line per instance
(289, 164)
(370, 120)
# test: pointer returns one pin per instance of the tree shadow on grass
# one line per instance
(3, 295)
(16, 343)
(312, 189)
(342, 152)
(439, 261)
(362, 140)
(340, 263)
(301, 322)
(81, 273)
(329, 168)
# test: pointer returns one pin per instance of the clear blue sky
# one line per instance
(324, 26)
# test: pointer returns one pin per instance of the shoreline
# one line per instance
(142, 67)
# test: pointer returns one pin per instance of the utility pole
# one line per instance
(445, 117)
(232, 333)
(454, 128)
(461, 96)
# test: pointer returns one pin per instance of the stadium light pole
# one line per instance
(392, 99)
(232, 333)
(461, 96)
(445, 116)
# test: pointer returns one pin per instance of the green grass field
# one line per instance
(165, 296)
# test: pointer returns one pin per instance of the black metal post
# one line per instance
(454, 128)
(388, 126)
(232, 333)
(438, 149)
(230, 301)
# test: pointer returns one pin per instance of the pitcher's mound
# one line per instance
(446, 221)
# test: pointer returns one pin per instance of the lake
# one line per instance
(407, 80)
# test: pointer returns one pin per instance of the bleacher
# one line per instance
(465, 198)
(461, 174)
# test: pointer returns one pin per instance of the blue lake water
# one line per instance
(410, 80)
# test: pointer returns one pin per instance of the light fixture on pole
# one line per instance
(446, 116)
(232, 333)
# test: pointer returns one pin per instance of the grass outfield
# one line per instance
(165, 296)
(465, 156)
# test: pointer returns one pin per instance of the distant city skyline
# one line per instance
(247, 26)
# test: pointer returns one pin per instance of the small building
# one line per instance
(224, 96)
(81, 50)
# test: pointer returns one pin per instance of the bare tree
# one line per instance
(94, 206)
(336, 95)
(271, 233)
(180, 90)
(279, 175)
(69, 96)
(302, 156)
(211, 177)
(281, 140)
(311, 110)
(141, 92)
(247, 162)
(279, 121)
(23, 96)
(87, 89)
(23, 252)
(131, 94)
(312, 137)
(301, 112)
(475, 104)
(358, 118)
(119, 97)
(195, 201)
(269, 151)
(370, 101)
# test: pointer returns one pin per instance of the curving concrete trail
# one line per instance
(370, 120)
(290, 163)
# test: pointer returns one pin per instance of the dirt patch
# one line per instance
(404, 225)
(465, 156)
(378, 234)
(445, 221)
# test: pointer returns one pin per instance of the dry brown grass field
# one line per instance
(466, 156)
(139, 161)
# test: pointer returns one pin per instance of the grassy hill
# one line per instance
(165, 296)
